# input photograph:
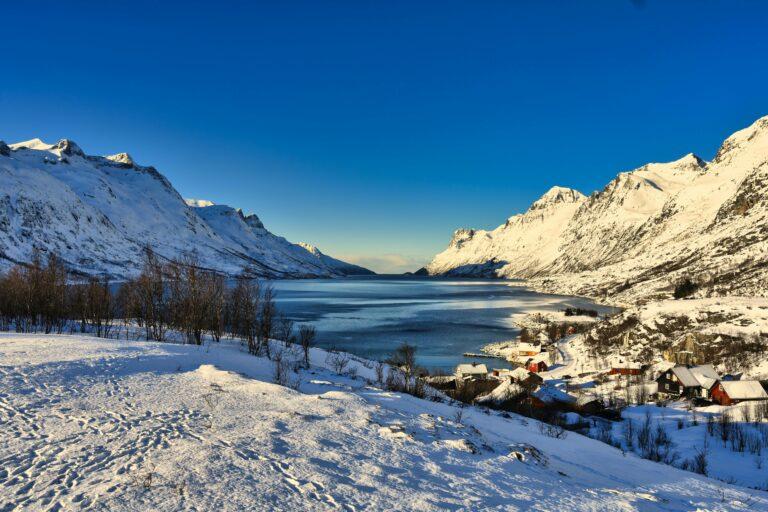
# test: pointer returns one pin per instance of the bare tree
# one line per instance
(404, 361)
(266, 318)
(307, 334)
(151, 300)
(243, 311)
(284, 330)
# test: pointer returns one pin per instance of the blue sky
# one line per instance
(374, 129)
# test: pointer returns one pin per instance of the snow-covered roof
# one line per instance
(706, 382)
(472, 368)
(528, 347)
(702, 375)
(519, 374)
(743, 389)
(705, 370)
(538, 358)
(585, 399)
(551, 394)
(504, 391)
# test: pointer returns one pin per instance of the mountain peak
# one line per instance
(311, 248)
(752, 134)
(4, 149)
(122, 158)
(557, 195)
(252, 220)
(689, 160)
(31, 144)
(195, 203)
(68, 147)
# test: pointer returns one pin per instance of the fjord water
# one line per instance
(444, 318)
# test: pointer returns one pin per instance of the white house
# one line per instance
(471, 371)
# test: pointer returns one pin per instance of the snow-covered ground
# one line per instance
(127, 425)
(685, 425)
(687, 430)
(644, 332)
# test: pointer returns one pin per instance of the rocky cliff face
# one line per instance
(98, 213)
(645, 231)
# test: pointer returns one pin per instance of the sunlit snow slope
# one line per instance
(98, 213)
(94, 424)
(646, 230)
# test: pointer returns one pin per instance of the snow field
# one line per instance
(124, 425)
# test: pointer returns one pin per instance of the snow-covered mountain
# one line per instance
(98, 213)
(646, 230)
(522, 246)
(342, 266)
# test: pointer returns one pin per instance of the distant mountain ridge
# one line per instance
(98, 213)
(645, 231)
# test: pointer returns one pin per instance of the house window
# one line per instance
(666, 386)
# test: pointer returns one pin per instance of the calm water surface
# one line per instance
(443, 318)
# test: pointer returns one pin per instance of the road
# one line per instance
(567, 366)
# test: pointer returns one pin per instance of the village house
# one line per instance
(625, 368)
(687, 381)
(474, 371)
(729, 392)
(527, 349)
(552, 396)
(536, 365)
(589, 404)
(519, 376)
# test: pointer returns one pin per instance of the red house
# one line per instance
(535, 366)
(732, 392)
(624, 370)
(622, 367)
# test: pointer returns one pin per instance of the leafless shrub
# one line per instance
(281, 368)
(337, 361)
(379, 369)
(403, 360)
(144, 479)
(284, 330)
(629, 433)
(459, 414)
(554, 428)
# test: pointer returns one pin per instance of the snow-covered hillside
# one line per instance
(645, 231)
(98, 213)
(524, 245)
(342, 266)
(123, 425)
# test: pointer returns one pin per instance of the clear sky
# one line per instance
(374, 129)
